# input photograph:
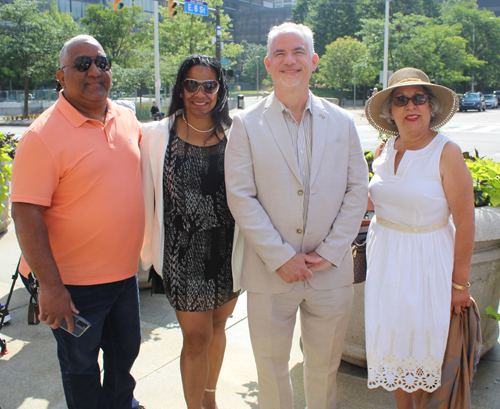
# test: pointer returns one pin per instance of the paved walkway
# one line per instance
(30, 377)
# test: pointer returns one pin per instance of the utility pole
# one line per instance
(257, 57)
(218, 46)
(473, 39)
(386, 44)
(218, 32)
(157, 57)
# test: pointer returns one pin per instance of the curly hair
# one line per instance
(220, 112)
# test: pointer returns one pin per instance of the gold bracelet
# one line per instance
(460, 287)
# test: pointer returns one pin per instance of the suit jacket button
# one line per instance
(299, 231)
(300, 192)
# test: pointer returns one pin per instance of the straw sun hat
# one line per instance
(447, 99)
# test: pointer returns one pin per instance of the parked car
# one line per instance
(491, 101)
(472, 100)
(497, 94)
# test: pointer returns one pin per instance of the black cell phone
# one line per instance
(81, 325)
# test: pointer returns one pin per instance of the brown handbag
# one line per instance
(358, 248)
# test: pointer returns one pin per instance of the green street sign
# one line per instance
(225, 62)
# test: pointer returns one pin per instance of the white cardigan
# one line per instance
(153, 145)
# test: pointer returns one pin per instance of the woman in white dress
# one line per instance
(418, 257)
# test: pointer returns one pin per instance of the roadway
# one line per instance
(470, 130)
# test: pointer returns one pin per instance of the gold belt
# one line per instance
(405, 228)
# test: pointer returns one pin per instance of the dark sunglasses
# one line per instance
(193, 86)
(419, 99)
(83, 63)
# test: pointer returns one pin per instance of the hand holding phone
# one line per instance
(80, 325)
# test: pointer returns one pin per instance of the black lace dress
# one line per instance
(199, 227)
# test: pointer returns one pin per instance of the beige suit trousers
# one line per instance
(324, 315)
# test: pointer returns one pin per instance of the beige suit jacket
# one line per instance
(265, 193)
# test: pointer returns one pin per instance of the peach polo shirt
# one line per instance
(88, 176)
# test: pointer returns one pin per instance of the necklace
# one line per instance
(197, 130)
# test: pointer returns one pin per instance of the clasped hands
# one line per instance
(302, 266)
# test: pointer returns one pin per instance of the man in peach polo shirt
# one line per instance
(79, 215)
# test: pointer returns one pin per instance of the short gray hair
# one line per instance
(79, 38)
(289, 27)
(386, 109)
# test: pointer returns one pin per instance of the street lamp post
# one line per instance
(257, 58)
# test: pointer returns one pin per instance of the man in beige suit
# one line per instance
(296, 183)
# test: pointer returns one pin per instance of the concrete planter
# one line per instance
(485, 288)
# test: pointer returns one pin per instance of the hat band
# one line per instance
(410, 79)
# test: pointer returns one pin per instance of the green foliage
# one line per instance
(338, 63)
(245, 65)
(486, 177)
(135, 78)
(30, 41)
(120, 34)
(433, 35)
(8, 147)
(369, 157)
(331, 20)
(328, 20)
(376, 9)
(254, 55)
(187, 34)
(490, 313)
(127, 37)
(421, 42)
(143, 113)
(480, 29)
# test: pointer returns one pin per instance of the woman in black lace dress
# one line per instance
(190, 238)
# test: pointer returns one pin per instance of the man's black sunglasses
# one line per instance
(419, 99)
(83, 63)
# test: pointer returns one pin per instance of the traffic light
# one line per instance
(117, 5)
(171, 8)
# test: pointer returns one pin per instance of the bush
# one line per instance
(486, 177)
(8, 147)
(143, 113)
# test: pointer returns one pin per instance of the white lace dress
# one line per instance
(408, 285)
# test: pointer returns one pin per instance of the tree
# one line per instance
(254, 55)
(421, 42)
(481, 32)
(138, 77)
(328, 20)
(187, 34)
(119, 33)
(376, 9)
(300, 11)
(31, 41)
(339, 62)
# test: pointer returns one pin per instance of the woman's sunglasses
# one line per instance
(193, 86)
(83, 63)
(419, 99)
